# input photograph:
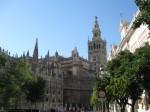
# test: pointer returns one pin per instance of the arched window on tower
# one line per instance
(94, 58)
(99, 46)
(94, 45)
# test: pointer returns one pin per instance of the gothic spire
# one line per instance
(35, 52)
(56, 54)
(16, 55)
(23, 54)
(48, 54)
(28, 54)
(96, 30)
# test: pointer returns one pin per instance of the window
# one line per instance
(53, 73)
(69, 72)
(47, 91)
(91, 47)
(59, 92)
(53, 100)
(59, 100)
(46, 99)
(94, 58)
(99, 46)
(53, 92)
(94, 45)
(59, 76)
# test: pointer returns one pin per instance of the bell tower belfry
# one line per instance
(96, 48)
(96, 30)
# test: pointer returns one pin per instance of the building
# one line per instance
(131, 39)
(97, 48)
(69, 80)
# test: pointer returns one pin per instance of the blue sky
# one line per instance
(59, 24)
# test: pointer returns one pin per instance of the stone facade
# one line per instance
(69, 80)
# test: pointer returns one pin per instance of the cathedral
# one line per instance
(69, 80)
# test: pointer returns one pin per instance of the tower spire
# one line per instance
(47, 55)
(28, 53)
(96, 30)
(35, 52)
(96, 18)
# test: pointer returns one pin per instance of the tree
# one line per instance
(135, 92)
(7, 88)
(35, 89)
(101, 82)
(118, 89)
(21, 75)
(144, 17)
(16, 82)
(13, 76)
(135, 89)
(143, 56)
(2, 60)
(94, 98)
(124, 72)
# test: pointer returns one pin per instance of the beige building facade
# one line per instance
(131, 39)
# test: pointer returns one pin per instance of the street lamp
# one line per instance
(101, 94)
(101, 71)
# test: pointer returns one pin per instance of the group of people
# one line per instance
(77, 108)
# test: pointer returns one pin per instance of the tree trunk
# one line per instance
(103, 107)
(35, 106)
(122, 108)
(107, 106)
(16, 104)
(132, 105)
(147, 95)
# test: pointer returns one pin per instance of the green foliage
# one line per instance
(143, 56)
(35, 89)
(128, 77)
(12, 81)
(94, 98)
(6, 84)
(2, 60)
(144, 17)
(23, 71)
(16, 81)
(101, 81)
(118, 87)
(124, 81)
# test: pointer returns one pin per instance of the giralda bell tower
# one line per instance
(97, 48)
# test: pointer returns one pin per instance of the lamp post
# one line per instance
(101, 93)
